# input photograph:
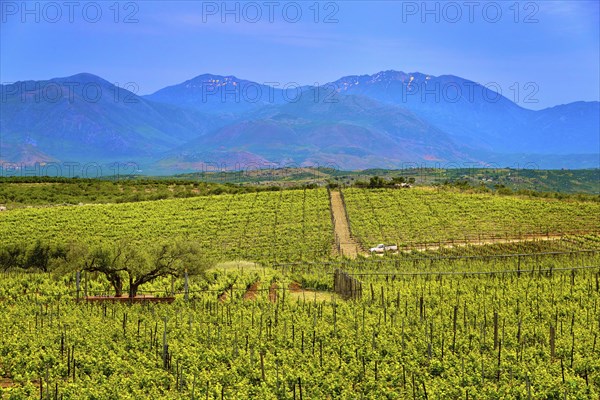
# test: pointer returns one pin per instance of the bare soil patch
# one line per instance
(295, 287)
(6, 383)
(223, 297)
(252, 291)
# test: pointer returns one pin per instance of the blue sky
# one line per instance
(553, 44)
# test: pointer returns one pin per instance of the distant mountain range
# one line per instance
(390, 119)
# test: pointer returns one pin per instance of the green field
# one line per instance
(22, 191)
(487, 336)
(293, 225)
(254, 226)
(488, 315)
(420, 216)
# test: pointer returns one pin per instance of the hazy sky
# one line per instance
(533, 50)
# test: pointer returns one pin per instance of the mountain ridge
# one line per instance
(358, 121)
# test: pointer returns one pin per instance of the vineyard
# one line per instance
(532, 334)
(478, 318)
(426, 216)
(254, 226)
(294, 225)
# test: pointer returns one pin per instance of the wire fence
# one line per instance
(322, 274)
(438, 258)
(466, 273)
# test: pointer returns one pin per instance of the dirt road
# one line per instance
(345, 243)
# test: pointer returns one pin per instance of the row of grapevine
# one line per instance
(418, 217)
(285, 225)
(534, 335)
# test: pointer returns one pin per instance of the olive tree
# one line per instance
(111, 261)
(135, 264)
(172, 258)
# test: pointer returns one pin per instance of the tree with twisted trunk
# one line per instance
(137, 265)
(171, 258)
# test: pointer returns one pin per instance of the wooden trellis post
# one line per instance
(346, 286)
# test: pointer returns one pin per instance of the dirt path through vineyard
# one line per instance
(482, 242)
(344, 242)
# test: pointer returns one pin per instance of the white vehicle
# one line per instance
(382, 248)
